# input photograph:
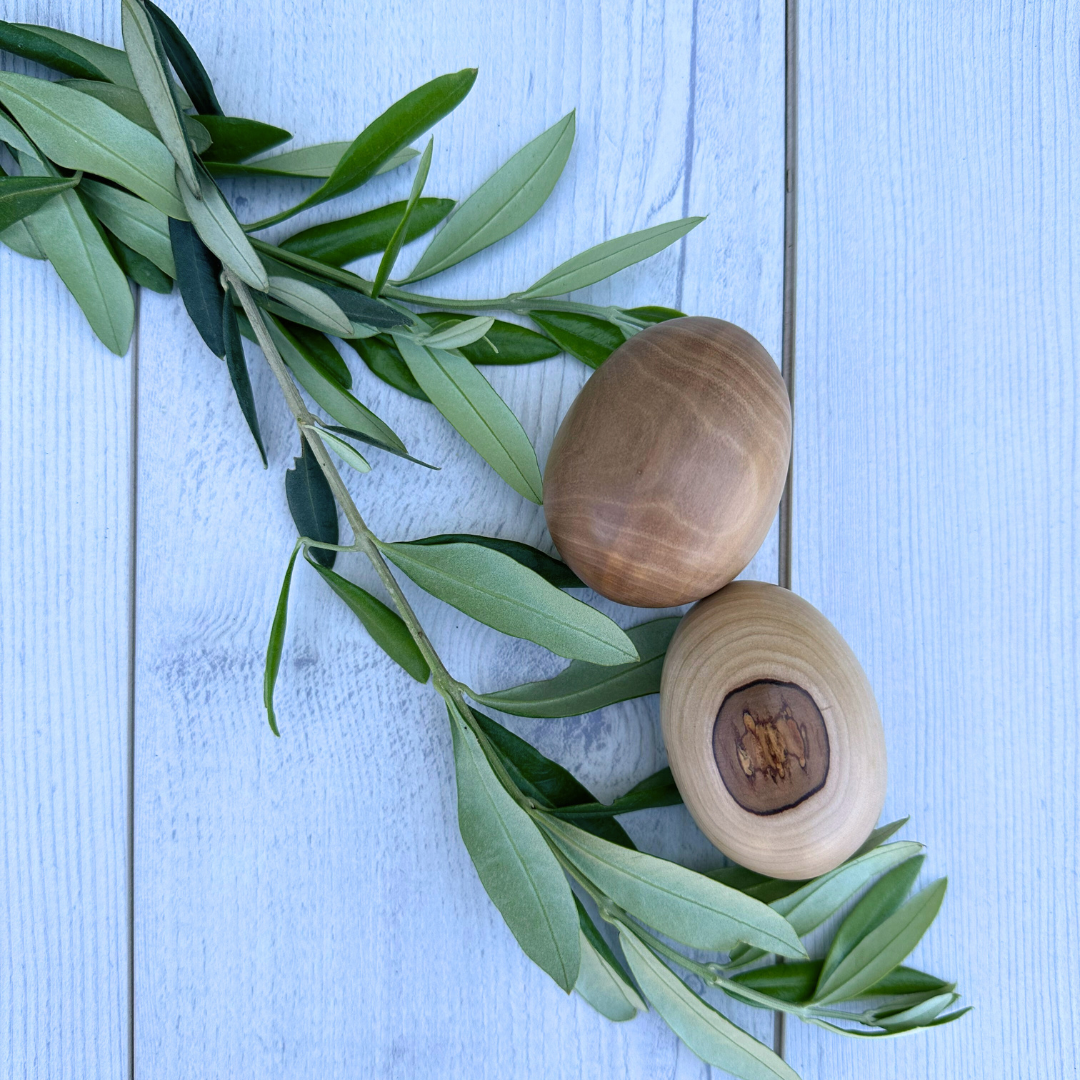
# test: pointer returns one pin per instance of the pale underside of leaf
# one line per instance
(140, 225)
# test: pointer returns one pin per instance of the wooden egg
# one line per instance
(665, 474)
(772, 731)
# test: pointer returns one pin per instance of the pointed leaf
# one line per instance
(397, 238)
(678, 902)
(316, 162)
(503, 203)
(496, 590)
(905, 980)
(185, 61)
(236, 138)
(711, 1036)
(515, 344)
(550, 569)
(29, 43)
(602, 982)
(80, 132)
(346, 452)
(654, 791)
(311, 503)
(461, 334)
(583, 688)
(791, 982)
(916, 1015)
(140, 269)
(385, 626)
(859, 1034)
(480, 416)
(277, 643)
(590, 339)
(20, 196)
(610, 257)
(878, 837)
(141, 226)
(311, 302)
(238, 371)
(18, 238)
(198, 274)
(883, 948)
(515, 864)
(654, 314)
(385, 362)
(369, 441)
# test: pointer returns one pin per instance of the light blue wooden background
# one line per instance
(304, 908)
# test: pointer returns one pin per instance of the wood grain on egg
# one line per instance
(772, 731)
(666, 472)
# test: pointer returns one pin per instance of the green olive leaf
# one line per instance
(315, 162)
(917, 1015)
(397, 238)
(403, 122)
(198, 274)
(276, 644)
(710, 1034)
(345, 451)
(80, 132)
(503, 343)
(883, 948)
(654, 314)
(138, 268)
(386, 627)
(878, 837)
(109, 63)
(904, 980)
(18, 238)
(343, 241)
(238, 371)
(590, 339)
(503, 203)
(859, 1034)
(185, 61)
(312, 303)
(460, 334)
(29, 43)
(385, 362)
(321, 354)
(582, 688)
(514, 863)
(141, 226)
(610, 257)
(312, 505)
(477, 412)
(20, 196)
(495, 589)
(794, 983)
(678, 902)
(654, 791)
(550, 569)
(602, 981)
(369, 441)
(235, 138)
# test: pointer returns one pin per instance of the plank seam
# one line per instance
(133, 488)
(688, 151)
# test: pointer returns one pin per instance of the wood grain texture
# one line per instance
(306, 907)
(935, 461)
(65, 549)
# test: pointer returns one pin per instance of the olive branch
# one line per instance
(116, 184)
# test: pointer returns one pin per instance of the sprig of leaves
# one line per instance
(117, 185)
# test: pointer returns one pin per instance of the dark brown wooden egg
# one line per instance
(666, 473)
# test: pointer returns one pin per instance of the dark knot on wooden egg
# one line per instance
(665, 474)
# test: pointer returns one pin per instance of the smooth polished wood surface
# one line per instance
(666, 472)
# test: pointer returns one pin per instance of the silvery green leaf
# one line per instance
(514, 863)
(883, 948)
(276, 645)
(678, 902)
(138, 268)
(80, 132)
(459, 334)
(219, 230)
(18, 238)
(20, 196)
(495, 589)
(711, 1035)
(915, 1015)
(72, 241)
(369, 441)
(550, 569)
(344, 451)
(397, 238)
(610, 257)
(15, 138)
(503, 203)
(856, 1033)
(30, 43)
(503, 343)
(185, 61)
(582, 687)
(148, 65)
(656, 790)
(140, 225)
(311, 302)
(878, 837)
(316, 162)
(111, 64)
(477, 412)
(602, 982)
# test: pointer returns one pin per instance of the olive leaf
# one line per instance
(385, 362)
(18, 238)
(857, 1034)
(311, 302)
(20, 196)
(80, 132)
(460, 334)
(654, 313)
(29, 43)
(386, 627)
(397, 238)
(346, 452)
(503, 343)
(678, 902)
(477, 412)
(306, 162)
(794, 982)
(582, 688)
(141, 226)
(610, 257)
(883, 948)
(108, 63)
(148, 66)
(710, 1034)
(343, 241)
(138, 268)
(590, 339)
(514, 863)
(235, 138)
(320, 353)
(878, 837)
(198, 274)
(403, 122)
(312, 505)
(503, 203)
(602, 982)
(185, 61)
(368, 440)
(550, 569)
(495, 589)
(236, 363)
(276, 644)
(654, 791)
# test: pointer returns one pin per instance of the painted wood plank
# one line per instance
(305, 907)
(936, 462)
(65, 549)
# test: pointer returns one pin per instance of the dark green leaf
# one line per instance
(343, 241)
(590, 339)
(905, 980)
(320, 352)
(277, 642)
(363, 309)
(186, 62)
(515, 864)
(140, 225)
(311, 304)
(550, 569)
(405, 121)
(25, 41)
(384, 360)
(109, 63)
(878, 837)
(361, 437)
(792, 982)
(313, 162)
(238, 371)
(198, 274)
(515, 344)
(385, 626)
(20, 196)
(654, 314)
(582, 688)
(311, 503)
(237, 139)
(654, 791)
(602, 980)
(139, 268)
(397, 238)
